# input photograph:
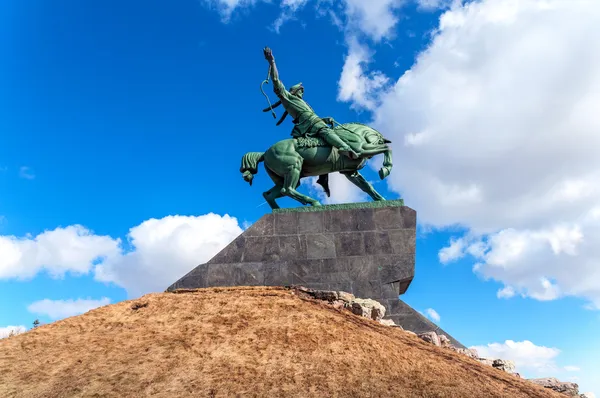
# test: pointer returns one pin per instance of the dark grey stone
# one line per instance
(292, 247)
(367, 289)
(341, 287)
(349, 220)
(360, 268)
(261, 248)
(305, 271)
(403, 241)
(219, 274)
(388, 218)
(390, 290)
(248, 274)
(409, 217)
(263, 227)
(320, 246)
(395, 268)
(286, 223)
(377, 242)
(311, 222)
(232, 253)
(349, 244)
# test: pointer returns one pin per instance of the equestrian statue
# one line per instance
(319, 146)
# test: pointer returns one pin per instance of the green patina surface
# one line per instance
(344, 206)
(319, 146)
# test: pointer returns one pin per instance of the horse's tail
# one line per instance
(250, 163)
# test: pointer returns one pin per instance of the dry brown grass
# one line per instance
(250, 342)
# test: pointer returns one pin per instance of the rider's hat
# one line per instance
(295, 88)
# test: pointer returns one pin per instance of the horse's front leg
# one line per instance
(386, 168)
(357, 179)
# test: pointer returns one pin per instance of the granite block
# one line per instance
(388, 218)
(367, 289)
(341, 287)
(349, 244)
(310, 223)
(248, 274)
(305, 271)
(219, 274)
(319, 246)
(261, 248)
(409, 217)
(292, 247)
(263, 227)
(377, 243)
(286, 223)
(394, 268)
(360, 268)
(349, 220)
(390, 290)
(232, 253)
(403, 241)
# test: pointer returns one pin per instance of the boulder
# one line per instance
(368, 308)
(566, 388)
(445, 341)
(431, 337)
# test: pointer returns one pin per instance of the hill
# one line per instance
(250, 342)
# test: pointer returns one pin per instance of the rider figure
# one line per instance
(307, 123)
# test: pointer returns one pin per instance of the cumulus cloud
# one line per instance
(432, 314)
(527, 356)
(570, 368)
(342, 190)
(432, 5)
(73, 249)
(166, 249)
(11, 330)
(375, 18)
(496, 127)
(356, 86)
(161, 251)
(59, 309)
(288, 10)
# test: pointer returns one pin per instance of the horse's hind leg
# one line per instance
(273, 194)
(357, 179)
(291, 180)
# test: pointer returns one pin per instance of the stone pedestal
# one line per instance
(367, 249)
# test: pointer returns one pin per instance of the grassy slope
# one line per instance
(238, 341)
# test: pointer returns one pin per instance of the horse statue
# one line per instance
(290, 160)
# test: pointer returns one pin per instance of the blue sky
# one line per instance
(123, 124)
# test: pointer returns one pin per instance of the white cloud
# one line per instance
(59, 309)
(374, 18)
(589, 395)
(227, 7)
(527, 356)
(72, 249)
(496, 129)
(572, 368)
(26, 173)
(432, 314)
(355, 85)
(9, 330)
(163, 250)
(342, 190)
(288, 10)
(431, 5)
(166, 249)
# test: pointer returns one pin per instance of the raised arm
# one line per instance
(278, 86)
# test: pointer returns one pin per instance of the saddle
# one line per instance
(310, 142)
